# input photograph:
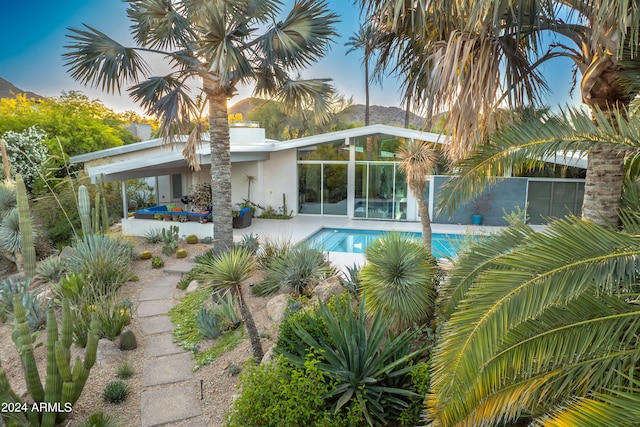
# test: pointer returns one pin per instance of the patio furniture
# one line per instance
(243, 220)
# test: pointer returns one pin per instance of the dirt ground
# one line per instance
(219, 385)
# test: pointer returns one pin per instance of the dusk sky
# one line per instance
(33, 35)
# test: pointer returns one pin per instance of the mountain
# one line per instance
(393, 116)
(8, 90)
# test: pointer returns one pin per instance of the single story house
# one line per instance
(352, 173)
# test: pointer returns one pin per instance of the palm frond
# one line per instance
(540, 323)
(526, 144)
(96, 59)
(302, 37)
(315, 95)
(159, 24)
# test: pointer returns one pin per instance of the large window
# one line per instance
(380, 191)
(322, 189)
(551, 198)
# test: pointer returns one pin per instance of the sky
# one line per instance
(34, 34)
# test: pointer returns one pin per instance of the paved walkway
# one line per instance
(170, 393)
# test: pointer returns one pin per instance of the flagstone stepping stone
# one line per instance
(154, 307)
(162, 405)
(167, 369)
(161, 345)
(156, 325)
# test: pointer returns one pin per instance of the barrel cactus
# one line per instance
(181, 253)
(192, 239)
(145, 255)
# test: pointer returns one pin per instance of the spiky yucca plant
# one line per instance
(399, 280)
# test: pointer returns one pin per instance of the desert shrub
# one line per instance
(271, 249)
(280, 394)
(70, 287)
(300, 270)
(368, 367)
(113, 315)
(116, 392)
(153, 236)
(51, 269)
(104, 261)
(125, 371)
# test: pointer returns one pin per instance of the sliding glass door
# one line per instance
(380, 191)
(322, 188)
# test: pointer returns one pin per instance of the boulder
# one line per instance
(193, 286)
(108, 353)
(269, 355)
(276, 307)
(330, 287)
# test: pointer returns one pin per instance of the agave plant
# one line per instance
(207, 323)
(369, 367)
(399, 279)
(299, 270)
(8, 199)
(51, 269)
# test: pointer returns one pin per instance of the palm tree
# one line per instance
(228, 270)
(417, 160)
(216, 44)
(541, 329)
(471, 57)
(366, 38)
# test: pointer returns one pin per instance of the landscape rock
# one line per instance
(330, 287)
(269, 355)
(276, 307)
(193, 286)
(67, 252)
(108, 353)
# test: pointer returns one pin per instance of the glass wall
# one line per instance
(322, 189)
(380, 191)
(548, 198)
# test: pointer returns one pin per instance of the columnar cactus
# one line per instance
(26, 232)
(64, 383)
(84, 209)
(96, 213)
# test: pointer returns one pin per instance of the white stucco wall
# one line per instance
(239, 184)
(280, 176)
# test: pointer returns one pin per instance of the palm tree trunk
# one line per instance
(366, 92)
(252, 330)
(425, 222)
(603, 186)
(220, 169)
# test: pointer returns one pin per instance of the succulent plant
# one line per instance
(192, 239)
(157, 262)
(181, 253)
(146, 255)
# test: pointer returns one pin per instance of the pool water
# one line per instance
(356, 241)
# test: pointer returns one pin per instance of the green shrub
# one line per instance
(157, 262)
(116, 392)
(279, 394)
(70, 287)
(299, 270)
(113, 315)
(125, 371)
(104, 261)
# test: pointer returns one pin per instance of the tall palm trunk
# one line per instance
(425, 222)
(603, 186)
(220, 168)
(366, 92)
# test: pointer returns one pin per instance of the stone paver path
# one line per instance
(170, 393)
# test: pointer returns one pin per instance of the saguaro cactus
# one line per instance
(64, 383)
(84, 209)
(28, 251)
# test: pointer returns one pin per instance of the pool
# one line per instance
(356, 241)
